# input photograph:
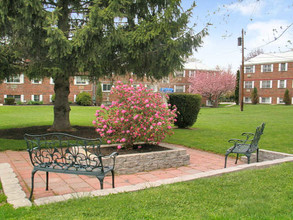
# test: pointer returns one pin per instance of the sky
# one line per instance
(263, 21)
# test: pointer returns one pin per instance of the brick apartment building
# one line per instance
(24, 90)
(271, 74)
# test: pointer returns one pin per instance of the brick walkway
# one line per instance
(60, 184)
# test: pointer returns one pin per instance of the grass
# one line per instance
(211, 132)
(251, 194)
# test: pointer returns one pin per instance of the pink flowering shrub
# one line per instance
(139, 115)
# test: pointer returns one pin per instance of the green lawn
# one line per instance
(251, 194)
(211, 132)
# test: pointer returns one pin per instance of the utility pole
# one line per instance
(241, 81)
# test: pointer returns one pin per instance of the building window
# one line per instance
(51, 81)
(17, 98)
(152, 87)
(267, 68)
(36, 81)
(165, 79)
(265, 100)
(37, 98)
(266, 84)
(81, 80)
(280, 100)
(283, 66)
(180, 73)
(249, 69)
(106, 87)
(247, 100)
(17, 79)
(191, 73)
(282, 84)
(179, 89)
(249, 84)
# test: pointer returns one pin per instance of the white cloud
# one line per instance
(266, 35)
(247, 7)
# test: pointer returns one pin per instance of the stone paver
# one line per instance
(15, 173)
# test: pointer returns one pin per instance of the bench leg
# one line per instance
(112, 171)
(32, 188)
(236, 158)
(47, 181)
(248, 159)
(101, 182)
(226, 161)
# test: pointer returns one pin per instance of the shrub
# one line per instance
(188, 106)
(84, 99)
(254, 96)
(139, 115)
(53, 98)
(35, 102)
(9, 101)
(286, 98)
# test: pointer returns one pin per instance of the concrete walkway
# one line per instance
(15, 174)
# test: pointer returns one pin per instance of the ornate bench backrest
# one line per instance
(64, 151)
(256, 137)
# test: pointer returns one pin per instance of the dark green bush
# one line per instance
(287, 99)
(53, 98)
(254, 96)
(35, 102)
(9, 101)
(188, 106)
(84, 98)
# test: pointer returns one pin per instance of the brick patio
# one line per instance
(61, 184)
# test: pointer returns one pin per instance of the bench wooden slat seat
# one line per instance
(64, 153)
(246, 146)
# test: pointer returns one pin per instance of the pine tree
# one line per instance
(254, 96)
(286, 98)
(63, 38)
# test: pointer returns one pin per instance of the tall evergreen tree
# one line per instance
(254, 96)
(287, 99)
(63, 38)
(99, 94)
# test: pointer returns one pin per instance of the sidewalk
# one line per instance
(61, 184)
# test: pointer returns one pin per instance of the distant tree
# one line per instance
(212, 85)
(286, 98)
(65, 38)
(236, 93)
(99, 94)
(254, 96)
(253, 53)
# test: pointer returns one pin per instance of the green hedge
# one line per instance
(84, 98)
(188, 106)
(9, 101)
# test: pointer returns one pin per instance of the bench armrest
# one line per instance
(248, 135)
(237, 141)
(112, 155)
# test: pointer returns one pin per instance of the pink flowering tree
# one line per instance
(212, 85)
(139, 115)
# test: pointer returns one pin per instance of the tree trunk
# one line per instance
(61, 105)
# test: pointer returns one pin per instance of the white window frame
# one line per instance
(165, 79)
(252, 85)
(253, 68)
(280, 66)
(248, 100)
(285, 84)
(191, 73)
(52, 81)
(21, 97)
(107, 86)
(271, 84)
(19, 76)
(271, 70)
(175, 88)
(74, 98)
(40, 98)
(81, 80)
(180, 73)
(270, 100)
(33, 81)
(280, 100)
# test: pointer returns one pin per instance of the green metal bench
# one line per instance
(64, 153)
(246, 146)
